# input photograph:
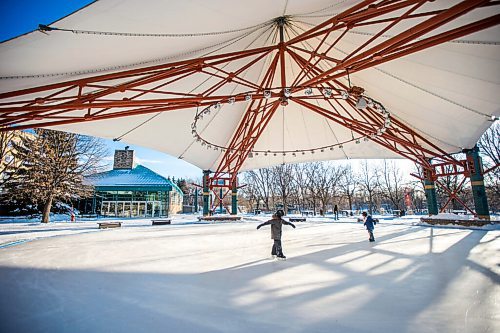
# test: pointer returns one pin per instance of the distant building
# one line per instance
(131, 191)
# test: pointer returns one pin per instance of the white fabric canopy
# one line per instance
(447, 93)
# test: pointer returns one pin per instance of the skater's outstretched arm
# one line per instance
(263, 224)
(289, 223)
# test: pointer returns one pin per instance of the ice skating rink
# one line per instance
(220, 278)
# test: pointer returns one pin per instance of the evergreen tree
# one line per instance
(52, 168)
(7, 161)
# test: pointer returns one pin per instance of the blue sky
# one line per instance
(19, 17)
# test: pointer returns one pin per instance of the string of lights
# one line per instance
(363, 102)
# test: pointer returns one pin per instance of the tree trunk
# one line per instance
(370, 204)
(46, 210)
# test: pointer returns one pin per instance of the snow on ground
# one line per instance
(218, 277)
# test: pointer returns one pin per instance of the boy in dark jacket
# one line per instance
(370, 225)
(276, 226)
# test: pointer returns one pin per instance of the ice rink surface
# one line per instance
(218, 277)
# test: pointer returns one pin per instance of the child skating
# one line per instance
(276, 226)
(370, 225)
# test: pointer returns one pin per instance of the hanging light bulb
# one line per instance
(267, 93)
(365, 139)
(308, 92)
(331, 148)
(357, 141)
(344, 94)
(322, 150)
(361, 104)
(327, 92)
(341, 146)
(287, 92)
(248, 97)
(231, 100)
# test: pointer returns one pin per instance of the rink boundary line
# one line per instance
(14, 243)
(22, 241)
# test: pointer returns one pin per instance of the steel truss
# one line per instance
(313, 52)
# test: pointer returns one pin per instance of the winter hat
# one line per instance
(280, 213)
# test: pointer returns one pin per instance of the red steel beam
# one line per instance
(410, 34)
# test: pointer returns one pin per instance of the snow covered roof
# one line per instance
(138, 178)
(446, 93)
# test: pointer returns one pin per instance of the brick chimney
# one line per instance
(124, 159)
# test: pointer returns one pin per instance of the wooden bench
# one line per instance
(219, 218)
(106, 225)
(161, 221)
(297, 219)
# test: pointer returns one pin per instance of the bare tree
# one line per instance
(328, 178)
(368, 182)
(489, 146)
(249, 192)
(312, 171)
(283, 183)
(52, 167)
(489, 143)
(261, 181)
(391, 184)
(349, 184)
(301, 181)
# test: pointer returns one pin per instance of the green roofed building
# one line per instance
(131, 191)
